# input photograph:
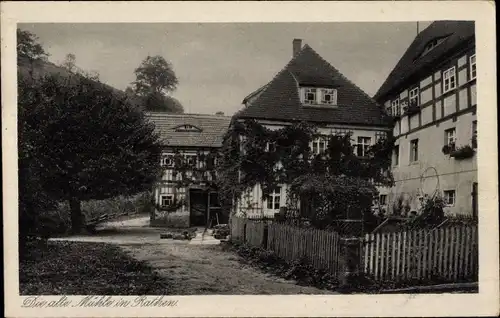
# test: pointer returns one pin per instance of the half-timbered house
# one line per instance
(185, 195)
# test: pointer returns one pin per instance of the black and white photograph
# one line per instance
(159, 159)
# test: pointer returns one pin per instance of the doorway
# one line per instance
(198, 203)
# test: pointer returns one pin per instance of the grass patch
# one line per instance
(78, 268)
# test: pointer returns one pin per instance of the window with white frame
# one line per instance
(395, 107)
(318, 145)
(363, 146)
(329, 96)
(449, 80)
(273, 199)
(167, 161)
(449, 197)
(310, 96)
(166, 200)
(414, 97)
(450, 136)
(472, 63)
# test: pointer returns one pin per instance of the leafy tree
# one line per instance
(155, 75)
(29, 47)
(69, 63)
(85, 141)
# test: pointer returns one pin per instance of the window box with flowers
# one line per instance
(448, 148)
(412, 108)
(463, 152)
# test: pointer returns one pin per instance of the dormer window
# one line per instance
(187, 127)
(319, 96)
(329, 96)
(310, 96)
(431, 45)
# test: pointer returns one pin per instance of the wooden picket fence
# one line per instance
(321, 248)
(448, 253)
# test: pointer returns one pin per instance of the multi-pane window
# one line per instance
(318, 145)
(472, 63)
(396, 155)
(414, 150)
(167, 161)
(449, 80)
(414, 100)
(395, 107)
(449, 197)
(167, 200)
(329, 96)
(363, 146)
(273, 199)
(450, 137)
(474, 134)
(310, 96)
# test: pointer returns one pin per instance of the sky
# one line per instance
(218, 64)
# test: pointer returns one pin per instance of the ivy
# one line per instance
(336, 180)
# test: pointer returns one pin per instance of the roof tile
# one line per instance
(213, 128)
(279, 100)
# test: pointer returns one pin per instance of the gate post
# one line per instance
(352, 248)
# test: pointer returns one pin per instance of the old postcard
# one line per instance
(234, 159)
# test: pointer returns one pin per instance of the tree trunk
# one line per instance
(76, 215)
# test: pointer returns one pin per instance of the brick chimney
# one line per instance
(297, 46)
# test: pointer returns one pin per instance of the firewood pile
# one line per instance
(221, 231)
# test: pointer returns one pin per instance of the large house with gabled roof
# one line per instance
(310, 89)
(185, 195)
(431, 94)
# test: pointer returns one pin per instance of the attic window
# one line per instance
(318, 96)
(187, 128)
(431, 45)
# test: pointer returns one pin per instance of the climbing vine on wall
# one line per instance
(336, 179)
(192, 167)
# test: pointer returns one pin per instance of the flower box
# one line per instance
(411, 109)
(448, 149)
(462, 152)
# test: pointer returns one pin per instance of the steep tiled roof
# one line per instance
(212, 129)
(280, 100)
(456, 33)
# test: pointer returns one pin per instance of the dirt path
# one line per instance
(192, 269)
(201, 269)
